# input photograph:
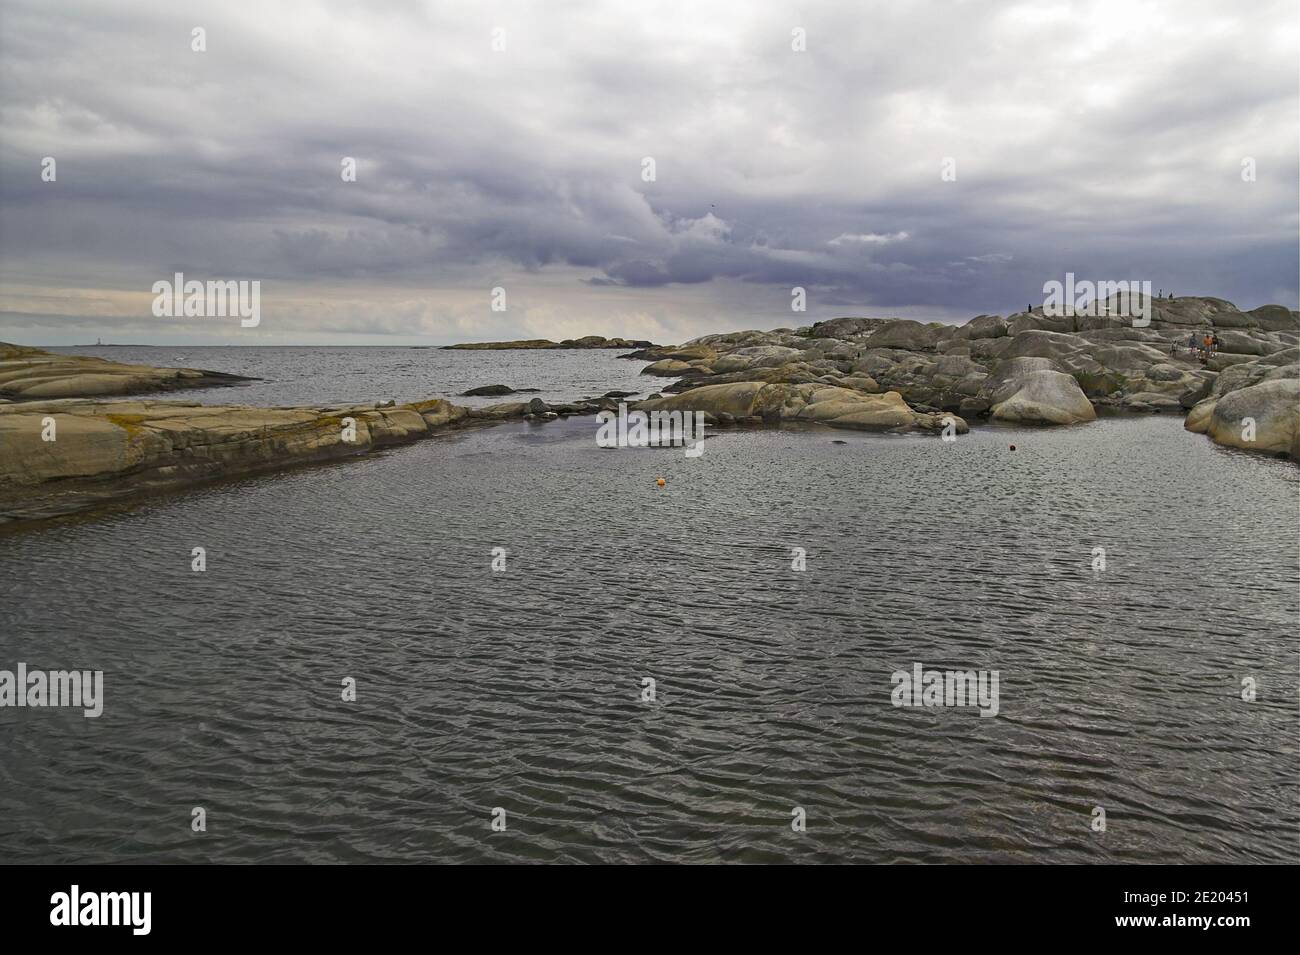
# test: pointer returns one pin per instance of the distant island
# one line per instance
(587, 341)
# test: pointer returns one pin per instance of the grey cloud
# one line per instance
(1105, 141)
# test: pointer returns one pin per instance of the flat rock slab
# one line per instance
(28, 374)
(62, 456)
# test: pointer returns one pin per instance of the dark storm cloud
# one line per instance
(1101, 138)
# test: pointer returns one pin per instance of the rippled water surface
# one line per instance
(521, 689)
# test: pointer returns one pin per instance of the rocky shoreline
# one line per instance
(1026, 369)
(28, 374)
(60, 455)
(64, 456)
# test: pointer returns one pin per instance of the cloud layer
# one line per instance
(1102, 138)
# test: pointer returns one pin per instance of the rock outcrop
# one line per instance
(28, 374)
(756, 401)
(62, 456)
(1028, 368)
(490, 391)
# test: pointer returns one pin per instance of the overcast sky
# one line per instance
(1103, 138)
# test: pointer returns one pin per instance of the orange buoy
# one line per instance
(661, 482)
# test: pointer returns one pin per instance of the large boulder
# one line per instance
(667, 368)
(910, 335)
(439, 413)
(1243, 343)
(841, 408)
(735, 398)
(982, 326)
(1272, 407)
(730, 363)
(1044, 397)
(846, 327)
(1276, 318)
(1041, 344)
(957, 366)
(1165, 372)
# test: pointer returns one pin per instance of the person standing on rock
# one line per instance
(1191, 345)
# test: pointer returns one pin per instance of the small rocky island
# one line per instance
(61, 453)
(537, 344)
